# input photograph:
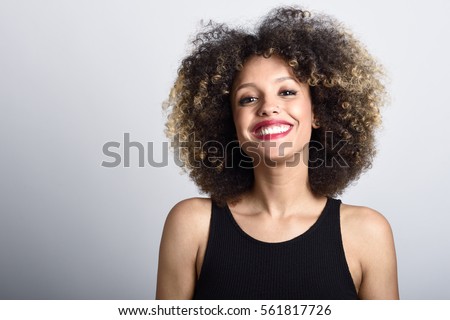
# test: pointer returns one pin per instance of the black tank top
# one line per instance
(309, 266)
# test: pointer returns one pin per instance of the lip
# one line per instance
(267, 123)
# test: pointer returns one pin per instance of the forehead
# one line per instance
(261, 68)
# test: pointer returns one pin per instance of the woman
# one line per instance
(273, 125)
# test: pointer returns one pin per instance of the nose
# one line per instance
(268, 108)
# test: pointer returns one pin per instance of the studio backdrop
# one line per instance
(86, 173)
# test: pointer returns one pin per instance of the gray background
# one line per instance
(77, 74)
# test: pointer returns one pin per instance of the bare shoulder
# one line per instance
(365, 222)
(182, 245)
(189, 218)
(368, 237)
(366, 231)
(195, 208)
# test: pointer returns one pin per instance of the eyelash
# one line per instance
(291, 92)
(283, 93)
(247, 100)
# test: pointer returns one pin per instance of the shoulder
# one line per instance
(192, 207)
(365, 223)
(183, 240)
(368, 238)
(189, 216)
(366, 230)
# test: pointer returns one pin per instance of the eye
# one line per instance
(288, 93)
(247, 100)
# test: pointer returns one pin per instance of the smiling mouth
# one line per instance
(272, 131)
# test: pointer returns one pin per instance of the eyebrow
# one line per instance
(251, 84)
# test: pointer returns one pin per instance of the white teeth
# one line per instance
(273, 129)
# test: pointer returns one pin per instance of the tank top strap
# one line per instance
(333, 210)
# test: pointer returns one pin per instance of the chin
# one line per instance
(277, 158)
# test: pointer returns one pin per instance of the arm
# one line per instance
(377, 257)
(185, 233)
(379, 263)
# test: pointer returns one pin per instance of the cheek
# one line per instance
(242, 129)
(303, 114)
(240, 121)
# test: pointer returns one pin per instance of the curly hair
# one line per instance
(346, 90)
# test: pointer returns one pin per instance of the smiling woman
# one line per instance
(293, 90)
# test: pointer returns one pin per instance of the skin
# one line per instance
(281, 205)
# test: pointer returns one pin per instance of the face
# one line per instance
(272, 109)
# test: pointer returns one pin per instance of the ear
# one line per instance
(315, 123)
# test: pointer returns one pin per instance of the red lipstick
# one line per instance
(271, 129)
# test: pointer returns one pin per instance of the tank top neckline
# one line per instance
(299, 237)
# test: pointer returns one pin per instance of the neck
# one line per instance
(281, 190)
